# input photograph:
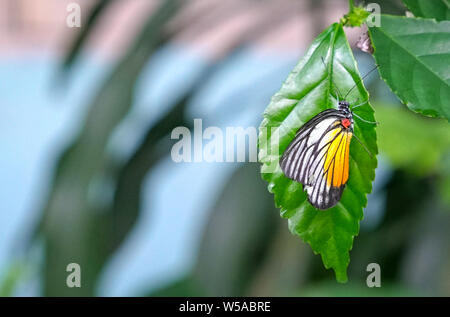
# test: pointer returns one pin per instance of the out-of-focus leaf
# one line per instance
(414, 59)
(437, 9)
(71, 233)
(307, 91)
(412, 142)
(236, 236)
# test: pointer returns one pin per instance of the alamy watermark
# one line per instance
(214, 144)
(73, 19)
(74, 277)
(374, 18)
(229, 144)
(374, 278)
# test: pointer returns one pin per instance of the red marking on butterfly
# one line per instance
(345, 123)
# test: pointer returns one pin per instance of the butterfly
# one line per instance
(318, 156)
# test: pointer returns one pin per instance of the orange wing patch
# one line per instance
(336, 162)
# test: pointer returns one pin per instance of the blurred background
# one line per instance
(86, 174)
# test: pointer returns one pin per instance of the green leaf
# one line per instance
(308, 90)
(414, 59)
(437, 9)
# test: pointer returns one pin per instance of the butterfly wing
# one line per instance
(318, 157)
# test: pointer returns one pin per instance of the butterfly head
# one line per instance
(344, 106)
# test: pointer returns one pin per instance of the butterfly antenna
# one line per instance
(359, 105)
(364, 120)
(362, 144)
(357, 83)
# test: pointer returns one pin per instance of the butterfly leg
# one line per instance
(362, 144)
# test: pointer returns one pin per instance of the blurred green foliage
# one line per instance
(74, 227)
(412, 142)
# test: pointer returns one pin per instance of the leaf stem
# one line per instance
(355, 17)
(351, 5)
(344, 19)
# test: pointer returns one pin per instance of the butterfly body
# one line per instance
(318, 156)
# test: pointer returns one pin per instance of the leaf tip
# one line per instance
(341, 275)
